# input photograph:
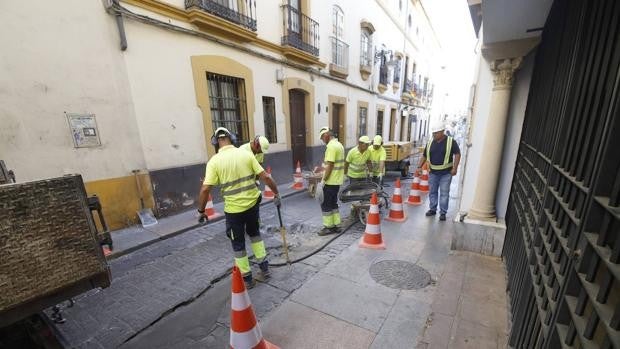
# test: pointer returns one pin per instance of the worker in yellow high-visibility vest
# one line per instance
(259, 146)
(443, 156)
(234, 171)
(333, 177)
(378, 156)
(357, 163)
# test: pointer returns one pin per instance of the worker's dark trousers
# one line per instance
(237, 225)
(329, 207)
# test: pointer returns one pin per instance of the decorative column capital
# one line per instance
(503, 71)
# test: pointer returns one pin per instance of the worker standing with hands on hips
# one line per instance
(234, 170)
(333, 177)
(377, 159)
(443, 156)
(357, 163)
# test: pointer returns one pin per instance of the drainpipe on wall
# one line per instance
(119, 23)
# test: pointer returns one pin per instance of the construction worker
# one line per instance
(377, 159)
(333, 177)
(443, 156)
(357, 164)
(259, 146)
(234, 170)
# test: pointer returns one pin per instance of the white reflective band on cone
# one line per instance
(240, 301)
(414, 192)
(396, 191)
(373, 229)
(373, 209)
(397, 207)
(249, 339)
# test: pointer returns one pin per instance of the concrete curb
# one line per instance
(139, 246)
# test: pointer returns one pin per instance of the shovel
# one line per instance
(284, 244)
(145, 214)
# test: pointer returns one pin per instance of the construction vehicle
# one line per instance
(398, 156)
(51, 252)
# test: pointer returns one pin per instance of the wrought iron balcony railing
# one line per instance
(340, 53)
(241, 12)
(300, 31)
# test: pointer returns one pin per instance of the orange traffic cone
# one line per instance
(424, 182)
(372, 236)
(268, 193)
(244, 330)
(396, 210)
(298, 179)
(414, 193)
(209, 210)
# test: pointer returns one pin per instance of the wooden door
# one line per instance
(298, 125)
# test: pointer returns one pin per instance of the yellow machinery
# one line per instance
(397, 156)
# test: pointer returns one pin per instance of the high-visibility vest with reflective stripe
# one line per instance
(234, 170)
(446, 160)
(335, 153)
(357, 163)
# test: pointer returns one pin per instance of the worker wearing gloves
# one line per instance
(234, 170)
(357, 165)
(377, 159)
(259, 147)
(333, 177)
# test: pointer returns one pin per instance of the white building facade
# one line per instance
(106, 88)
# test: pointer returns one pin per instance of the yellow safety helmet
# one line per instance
(364, 139)
(378, 140)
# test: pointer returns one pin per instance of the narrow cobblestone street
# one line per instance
(175, 293)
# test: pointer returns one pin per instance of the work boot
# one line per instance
(326, 231)
(430, 213)
(442, 217)
(264, 269)
(336, 230)
(249, 281)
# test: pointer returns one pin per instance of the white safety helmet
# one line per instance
(438, 127)
(264, 144)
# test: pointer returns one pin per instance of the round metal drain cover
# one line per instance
(400, 275)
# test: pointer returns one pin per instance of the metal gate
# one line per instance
(562, 249)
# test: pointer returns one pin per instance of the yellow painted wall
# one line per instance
(120, 200)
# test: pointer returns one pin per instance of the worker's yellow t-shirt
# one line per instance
(335, 153)
(260, 157)
(357, 163)
(234, 170)
(376, 156)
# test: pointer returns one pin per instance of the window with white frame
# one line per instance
(362, 123)
(340, 49)
(366, 48)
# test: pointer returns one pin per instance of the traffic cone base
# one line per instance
(372, 235)
(244, 330)
(298, 178)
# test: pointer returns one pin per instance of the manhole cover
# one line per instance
(400, 275)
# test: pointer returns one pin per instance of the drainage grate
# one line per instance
(400, 275)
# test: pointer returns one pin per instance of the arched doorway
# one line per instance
(297, 112)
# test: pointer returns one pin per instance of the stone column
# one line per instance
(483, 207)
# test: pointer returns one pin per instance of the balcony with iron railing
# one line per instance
(339, 65)
(234, 19)
(300, 31)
